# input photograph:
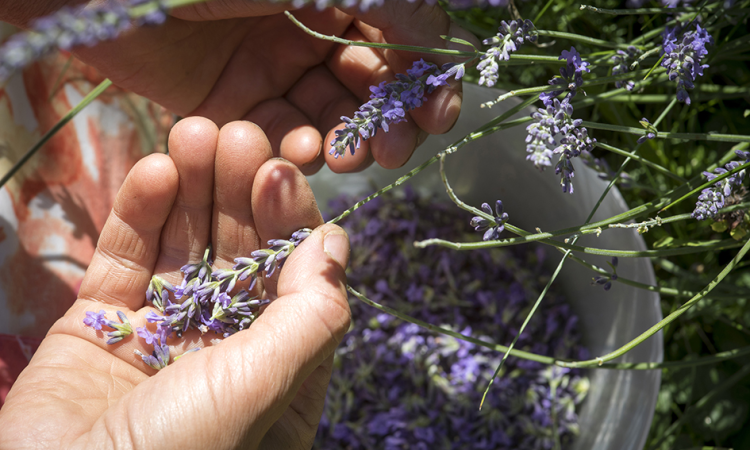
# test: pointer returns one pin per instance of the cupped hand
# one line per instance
(263, 387)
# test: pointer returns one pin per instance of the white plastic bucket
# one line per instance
(618, 410)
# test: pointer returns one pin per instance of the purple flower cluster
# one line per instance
(70, 27)
(713, 198)
(570, 78)
(98, 320)
(683, 52)
(203, 300)
(509, 37)
(491, 228)
(389, 103)
(622, 60)
(555, 132)
(397, 385)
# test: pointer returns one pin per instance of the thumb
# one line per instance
(232, 393)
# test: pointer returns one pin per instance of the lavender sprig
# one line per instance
(713, 198)
(570, 78)
(552, 121)
(683, 53)
(205, 300)
(622, 60)
(389, 103)
(606, 282)
(71, 27)
(510, 36)
(493, 227)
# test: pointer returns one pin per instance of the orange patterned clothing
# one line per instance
(52, 210)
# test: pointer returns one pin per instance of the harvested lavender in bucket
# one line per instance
(397, 386)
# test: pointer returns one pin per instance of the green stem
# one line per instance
(581, 39)
(710, 136)
(670, 318)
(645, 162)
(408, 48)
(639, 11)
(61, 123)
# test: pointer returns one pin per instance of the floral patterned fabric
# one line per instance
(52, 210)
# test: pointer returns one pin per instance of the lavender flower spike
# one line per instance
(683, 56)
(493, 227)
(713, 198)
(571, 76)
(509, 37)
(389, 103)
(71, 27)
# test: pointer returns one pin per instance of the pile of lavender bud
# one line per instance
(396, 385)
(204, 300)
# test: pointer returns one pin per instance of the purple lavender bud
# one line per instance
(95, 320)
(622, 60)
(121, 330)
(149, 337)
(491, 228)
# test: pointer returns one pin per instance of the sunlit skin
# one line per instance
(238, 59)
(261, 388)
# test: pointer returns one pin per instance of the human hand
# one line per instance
(238, 59)
(261, 388)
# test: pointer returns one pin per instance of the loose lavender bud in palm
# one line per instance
(389, 103)
(95, 320)
(158, 292)
(571, 76)
(121, 330)
(683, 53)
(159, 359)
(622, 60)
(509, 37)
(493, 227)
(713, 198)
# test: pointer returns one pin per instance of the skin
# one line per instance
(238, 59)
(261, 388)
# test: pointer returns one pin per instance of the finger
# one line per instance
(324, 100)
(248, 381)
(274, 67)
(282, 204)
(192, 147)
(128, 246)
(358, 68)
(241, 151)
(290, 132)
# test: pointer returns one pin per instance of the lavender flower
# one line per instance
(683, 52)
(397, 385)
(650, 131)
(509, 37)
(712, 199)
(622, 60)
(95, 320)
(121, 330)
(571, 76)
(389, 103)
(553, 120)
(70, 27)
(158, 292)
(606, 282)
(159, 359)
(493, 227)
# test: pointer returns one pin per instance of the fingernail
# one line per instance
(336, 244)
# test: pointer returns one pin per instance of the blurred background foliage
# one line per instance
(700, 406)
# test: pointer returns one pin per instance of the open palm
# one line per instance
(263, 387)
